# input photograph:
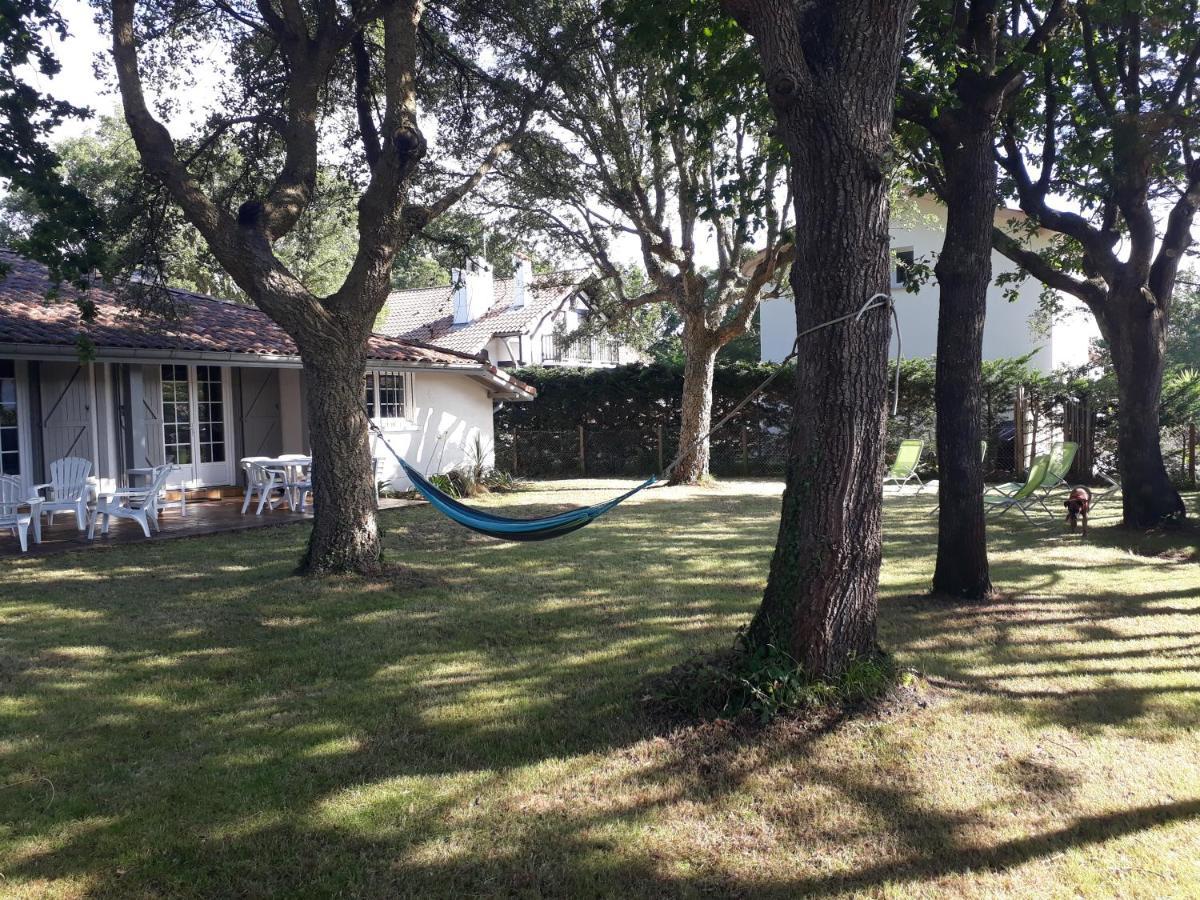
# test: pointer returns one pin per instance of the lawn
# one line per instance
(189, 718)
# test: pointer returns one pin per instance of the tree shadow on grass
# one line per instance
(213, 725)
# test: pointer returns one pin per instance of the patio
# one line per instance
(205, 517)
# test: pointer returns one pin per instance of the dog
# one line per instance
(1078, 503)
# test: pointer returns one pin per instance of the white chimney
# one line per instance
(472, 291)
(522, 280)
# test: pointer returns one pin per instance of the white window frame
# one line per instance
(406, 418)
(25, 460)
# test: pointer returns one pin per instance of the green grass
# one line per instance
(189, 718)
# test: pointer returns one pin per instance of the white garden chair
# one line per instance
(139, 504)
(67, 490)
(263, 481)
(12, 497)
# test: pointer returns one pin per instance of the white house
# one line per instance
(525, 320)
(222, 383)
(1012, 328)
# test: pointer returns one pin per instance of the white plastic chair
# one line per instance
(299, 486)
(263, 481)
(138, 504)
(163, 503)
(12, 497)
(67, 490)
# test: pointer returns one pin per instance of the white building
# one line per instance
(1012, 328)
(222, 384)
(525, 320)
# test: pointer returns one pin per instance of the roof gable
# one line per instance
(427, 314)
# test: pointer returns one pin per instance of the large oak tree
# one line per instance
(310, 79)
(965, 60)
(1102, 156)
(656, 136)
(830, 70)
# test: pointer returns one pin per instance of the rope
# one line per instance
(875, 302)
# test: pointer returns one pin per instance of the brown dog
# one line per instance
(1078, 503)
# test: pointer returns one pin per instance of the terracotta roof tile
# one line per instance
(207, 325)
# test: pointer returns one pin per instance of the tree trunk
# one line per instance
(700, 361)
(1136, 333)
(964, 272)
(831, 75)
(344, 536)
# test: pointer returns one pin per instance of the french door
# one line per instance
(196, 428)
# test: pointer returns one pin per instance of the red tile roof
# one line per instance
(206, 324)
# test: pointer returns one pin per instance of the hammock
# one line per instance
(503, 528)
(541, 529)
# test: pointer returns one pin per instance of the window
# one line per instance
(369, 394)
(904, 260)
(210, 414)
(391, 395)
(386, 395)
(177, 417)
(10, 441)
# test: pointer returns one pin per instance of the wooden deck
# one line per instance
(206, 517)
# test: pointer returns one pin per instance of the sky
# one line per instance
(87, 80)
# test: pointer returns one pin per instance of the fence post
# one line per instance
(1192, 453)
(745, 451)
(582, 453)
(660, 449)
(1019, 431)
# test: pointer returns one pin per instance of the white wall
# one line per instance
(448, 413)
(1009, 329)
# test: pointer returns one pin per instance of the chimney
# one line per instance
(522, 280)
(472, 291)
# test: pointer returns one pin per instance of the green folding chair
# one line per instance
(1027, 497)
(1061, 456)
(1111, 489)
(904, 469)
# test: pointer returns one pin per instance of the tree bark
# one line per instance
(344, 536)
(831, 71)
(964, 272)
(1135, 330)
(700, 361)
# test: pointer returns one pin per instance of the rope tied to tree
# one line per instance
(876, 301)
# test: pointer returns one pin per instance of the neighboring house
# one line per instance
(525, 320)
(1012, 328)
(222, 383)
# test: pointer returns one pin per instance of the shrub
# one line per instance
(762, 680)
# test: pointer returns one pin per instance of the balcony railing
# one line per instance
(557, 349)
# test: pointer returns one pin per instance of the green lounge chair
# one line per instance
(1061, 456)
(904, 469)
(1109, 490)
(1028, 496)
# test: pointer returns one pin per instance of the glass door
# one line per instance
(10, 434)
(194, 423)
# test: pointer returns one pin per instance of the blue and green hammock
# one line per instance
(502, 527)
(545, 527)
